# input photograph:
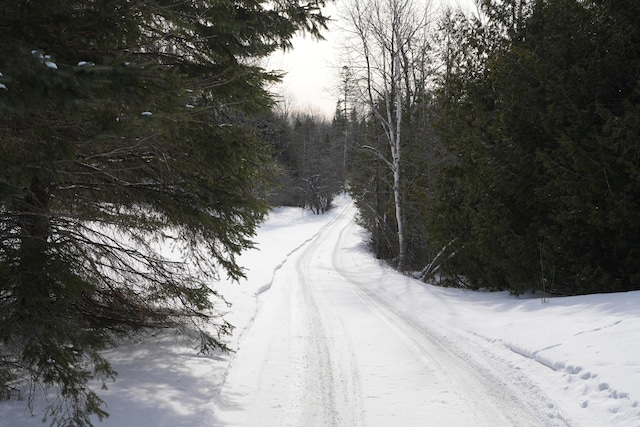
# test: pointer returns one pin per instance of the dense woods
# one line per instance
(539, 109)
(520, 146)
(498, 149)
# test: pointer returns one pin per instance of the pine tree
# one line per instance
(590, 162)
(124, 124)
(538, 112)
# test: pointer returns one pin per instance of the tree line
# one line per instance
(500, 148)
(308, 152)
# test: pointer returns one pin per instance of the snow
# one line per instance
(328, 336)
(47, 60)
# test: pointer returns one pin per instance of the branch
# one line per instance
(380, 155)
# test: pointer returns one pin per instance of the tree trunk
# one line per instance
(396, 151)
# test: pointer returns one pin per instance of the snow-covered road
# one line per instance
(326, 335)
(325, 350)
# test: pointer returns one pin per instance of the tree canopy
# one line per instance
(125, 124)
(539, 109)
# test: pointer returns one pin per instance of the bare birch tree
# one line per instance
(388, 46)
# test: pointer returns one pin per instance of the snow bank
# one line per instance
(584, 352)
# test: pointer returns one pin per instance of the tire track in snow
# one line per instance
(326, 351)
(265, 287)
(268, 285)
(286, 372)
(490, 397)
(332, 394)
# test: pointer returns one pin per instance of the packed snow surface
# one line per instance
(328, 336)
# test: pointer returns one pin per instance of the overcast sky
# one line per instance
(313, 67)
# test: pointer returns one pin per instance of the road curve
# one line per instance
(325, 350)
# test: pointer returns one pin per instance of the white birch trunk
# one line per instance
(385, 30)
(396, 152)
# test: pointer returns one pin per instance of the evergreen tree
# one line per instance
(124, 124)
(537, 108)
(484, 208)
(590, 160)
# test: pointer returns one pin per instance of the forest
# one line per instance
(496, 150)
(492, 150)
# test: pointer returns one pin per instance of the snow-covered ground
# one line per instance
(328, 336)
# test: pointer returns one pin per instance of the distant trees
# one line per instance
(309, 151)
(125, 125)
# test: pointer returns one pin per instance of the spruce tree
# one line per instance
(539, 113)
(124, 125)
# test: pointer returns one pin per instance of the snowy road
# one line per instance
(328, 336)
(325, 349)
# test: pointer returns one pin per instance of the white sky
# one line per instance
(313, 67)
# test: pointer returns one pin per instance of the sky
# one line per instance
(313, 67)
(311, 71)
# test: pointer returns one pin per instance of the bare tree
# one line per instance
(387, 53)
